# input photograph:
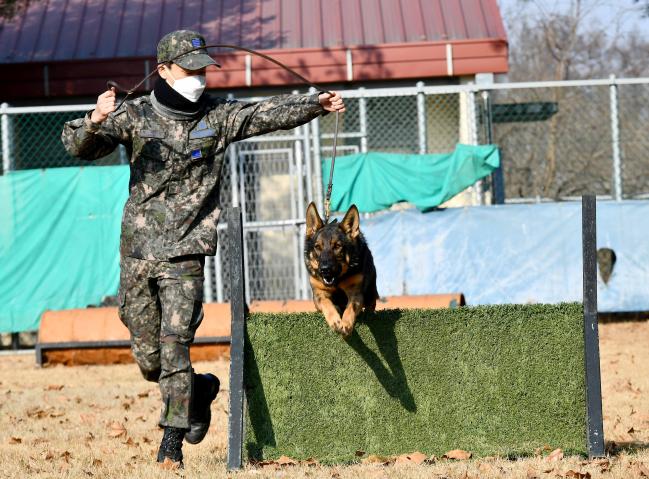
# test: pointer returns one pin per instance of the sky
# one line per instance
(627, 15)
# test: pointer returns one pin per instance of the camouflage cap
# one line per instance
(175, 43)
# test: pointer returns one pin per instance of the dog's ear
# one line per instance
(351, 222)
(313, 220)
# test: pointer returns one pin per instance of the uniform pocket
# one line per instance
(192, 289)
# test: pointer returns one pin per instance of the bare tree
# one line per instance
(570, 152)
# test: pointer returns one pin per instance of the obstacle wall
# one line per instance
(490, 380)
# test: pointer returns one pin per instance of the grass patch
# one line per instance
(494, 380)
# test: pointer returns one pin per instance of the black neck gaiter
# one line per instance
(172, 99)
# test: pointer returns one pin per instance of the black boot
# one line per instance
(206, 387)
(171, 446)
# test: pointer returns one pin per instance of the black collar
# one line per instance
(172, 99)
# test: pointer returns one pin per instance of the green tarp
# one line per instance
(376, 181)
(59, 240)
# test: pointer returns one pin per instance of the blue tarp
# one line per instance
(59, 237)
(59, 240)
(375, 181)
(511, 253)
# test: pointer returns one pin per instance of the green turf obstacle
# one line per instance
(492, 380)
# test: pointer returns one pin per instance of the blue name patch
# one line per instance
(196, 154)
(196, 42)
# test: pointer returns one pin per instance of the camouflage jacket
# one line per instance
(173, 204)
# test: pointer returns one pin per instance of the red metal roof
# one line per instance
(387, 38)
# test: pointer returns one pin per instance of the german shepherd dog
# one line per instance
(341, 269)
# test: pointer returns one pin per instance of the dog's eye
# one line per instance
(338, 247)
(317, 247)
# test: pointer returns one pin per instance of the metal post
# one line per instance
(615, 140)
(317, 162)
(208, 284)
(242, 189)
(294, 201)
(362, 119)
(219, 276)
(595, 429)
(15, 341)
(478, 194)
(6, 139)
(300, 214)
(308, 165)
(421, 118)
(237, 304)
(498, 176)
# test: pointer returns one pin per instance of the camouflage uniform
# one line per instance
(170, 218)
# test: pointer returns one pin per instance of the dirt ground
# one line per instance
(100, 421)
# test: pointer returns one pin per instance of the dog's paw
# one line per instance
(346, 329)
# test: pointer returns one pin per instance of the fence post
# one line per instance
(317, 161)
(362, 119)
(237, 305)
(6, 139)
(208, 284)
(615, 140)
(595, 430)
(478, 194)
(421, 117)
(497, 177)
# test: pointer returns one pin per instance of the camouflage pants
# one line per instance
(161, 304)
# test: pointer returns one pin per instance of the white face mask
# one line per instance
(190, 87)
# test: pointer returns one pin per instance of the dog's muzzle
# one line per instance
(328, 276)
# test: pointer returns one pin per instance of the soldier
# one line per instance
(176, 138)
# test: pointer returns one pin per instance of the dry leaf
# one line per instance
(48, 456)
(555, 455)
(577, 474)
(375, 459)
(146, 440)
(457, 454)
(310, 462)
(53, 387)
(412, 458)
(632, 431)
(603, 464)
(96, 462)
(169, 465)
(116, 429)
(15, 440)
(532, 474)
(642, 469)
(130, 442)
(66, 456)
(286, 461)
(144, 394)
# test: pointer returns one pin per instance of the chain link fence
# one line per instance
(558, 140)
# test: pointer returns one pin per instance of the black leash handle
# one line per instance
(327, 202)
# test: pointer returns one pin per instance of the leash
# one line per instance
(129, 92)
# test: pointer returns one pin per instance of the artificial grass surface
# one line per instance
(491, 380)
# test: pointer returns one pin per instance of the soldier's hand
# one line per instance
(332, 101)
(105, 105)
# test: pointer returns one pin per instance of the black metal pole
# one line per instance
(237, 304)
(497, 177)
(595, 428)
(15, 341)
